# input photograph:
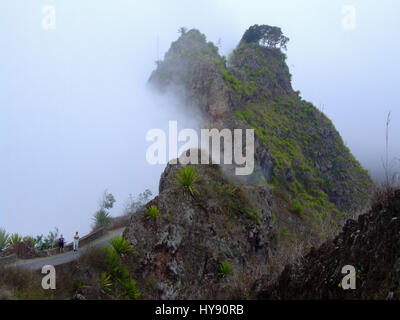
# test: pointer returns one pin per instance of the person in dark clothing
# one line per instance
(61, 243)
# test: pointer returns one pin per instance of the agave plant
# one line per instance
(153, 212)
(122, 274)
(14, 238)
(131, 289)
(101, 218)
(112, 258)
(225, 269)
(31, 240)
(187, 177)
(4, 237)
(105, 283)
(120, 245)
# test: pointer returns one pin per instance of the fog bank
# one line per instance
(75, 109)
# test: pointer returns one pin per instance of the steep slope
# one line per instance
(317, 182)
(179, 254)
(371, 245)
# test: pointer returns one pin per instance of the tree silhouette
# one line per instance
(266, 35)
(182, 30)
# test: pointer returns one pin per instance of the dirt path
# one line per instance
(38, 263)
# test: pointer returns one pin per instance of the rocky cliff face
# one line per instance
(179, 254)
(305, 184)
(371, 245)
(316, 181)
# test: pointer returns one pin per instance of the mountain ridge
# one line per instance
(298, 151)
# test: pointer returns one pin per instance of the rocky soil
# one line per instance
(181, 251)
(371, 244)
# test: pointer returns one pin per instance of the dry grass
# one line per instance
(26, 285)
(383, 196)
(387, 190)
(22, 284)
(242, 285)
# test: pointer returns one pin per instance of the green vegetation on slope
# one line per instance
(314, 176)
(309, 156)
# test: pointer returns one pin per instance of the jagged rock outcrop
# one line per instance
(305, 180)
(191, 69)
(371, 245)
(180, 252)
(298, 152)
(263, 69)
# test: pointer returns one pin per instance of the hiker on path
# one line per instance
(76, 242)
(61, 242)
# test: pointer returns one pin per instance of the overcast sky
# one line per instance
(74, 111)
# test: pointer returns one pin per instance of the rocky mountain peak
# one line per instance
(306, 182)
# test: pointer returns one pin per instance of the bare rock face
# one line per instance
(180, 251)
(190, 69)
(297, 148)
(371, 245)
(316, 181)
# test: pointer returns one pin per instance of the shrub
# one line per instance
(296, 207)
(47, 242)
(4, 237)
(119, 277)
(252, 215)
(122, 274)
(107, 201)
(14, 238)
(113, 260)
(131, 290)
(153, 212)
(134, 204)
(225, 269)
(77, 285)
(101, 218)
(97, 258)
(187, 177)
(285, 231)
(30, 239)
(120, 245)
(383, 196)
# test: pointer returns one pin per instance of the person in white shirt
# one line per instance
(76, 242)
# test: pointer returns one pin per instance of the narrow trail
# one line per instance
(38, 263)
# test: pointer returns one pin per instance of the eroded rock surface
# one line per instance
(371, 245)
(181, 251)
